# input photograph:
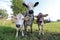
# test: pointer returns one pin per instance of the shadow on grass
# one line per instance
(8, 33)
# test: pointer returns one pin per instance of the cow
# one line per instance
(40, 22)
(29, 14)
(19, 21)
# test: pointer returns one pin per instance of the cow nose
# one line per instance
(31, 11)
(17, 25)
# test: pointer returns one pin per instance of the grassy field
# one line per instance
(52, 32)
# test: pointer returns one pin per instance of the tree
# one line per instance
(58, 20)
(47, 21)
(18, 7)
(3, 13)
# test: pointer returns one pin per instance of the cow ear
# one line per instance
(36, 4)
(25, 5)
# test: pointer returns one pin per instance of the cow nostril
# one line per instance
(16, 18)
(31, 12)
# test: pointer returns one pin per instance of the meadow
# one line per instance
(8, 31)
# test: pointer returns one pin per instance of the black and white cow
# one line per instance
(30, 14)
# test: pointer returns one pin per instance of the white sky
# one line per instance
(5, 4)
(51, 7)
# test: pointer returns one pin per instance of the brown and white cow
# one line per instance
(40, 22)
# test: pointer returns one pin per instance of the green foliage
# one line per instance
(17, 6)
(47, 21)
(58, 20)
(3, 13)
(35, 22)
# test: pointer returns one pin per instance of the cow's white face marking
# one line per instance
(19, 19)
(30, 6)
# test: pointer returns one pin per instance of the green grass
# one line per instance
(7, 33)
(51, 30)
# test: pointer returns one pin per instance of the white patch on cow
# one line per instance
(30, 6)
(42, 19)
(19, 19)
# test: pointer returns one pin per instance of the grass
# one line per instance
(8, 31)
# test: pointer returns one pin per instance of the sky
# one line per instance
(50, 7)
(6, 4)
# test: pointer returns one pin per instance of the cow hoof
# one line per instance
(42, 33)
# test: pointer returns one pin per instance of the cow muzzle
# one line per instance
(31, 11)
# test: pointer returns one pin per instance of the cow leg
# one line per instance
(39, 29)
(31, 28)
(42, 29)
(17, 32)
(22, 33)
(25, 27)
(21, 30)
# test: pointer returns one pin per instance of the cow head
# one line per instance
(30, 6)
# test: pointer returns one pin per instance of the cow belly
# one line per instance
(28, 23)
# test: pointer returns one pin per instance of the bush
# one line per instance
(47, 21)
(58, 20)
